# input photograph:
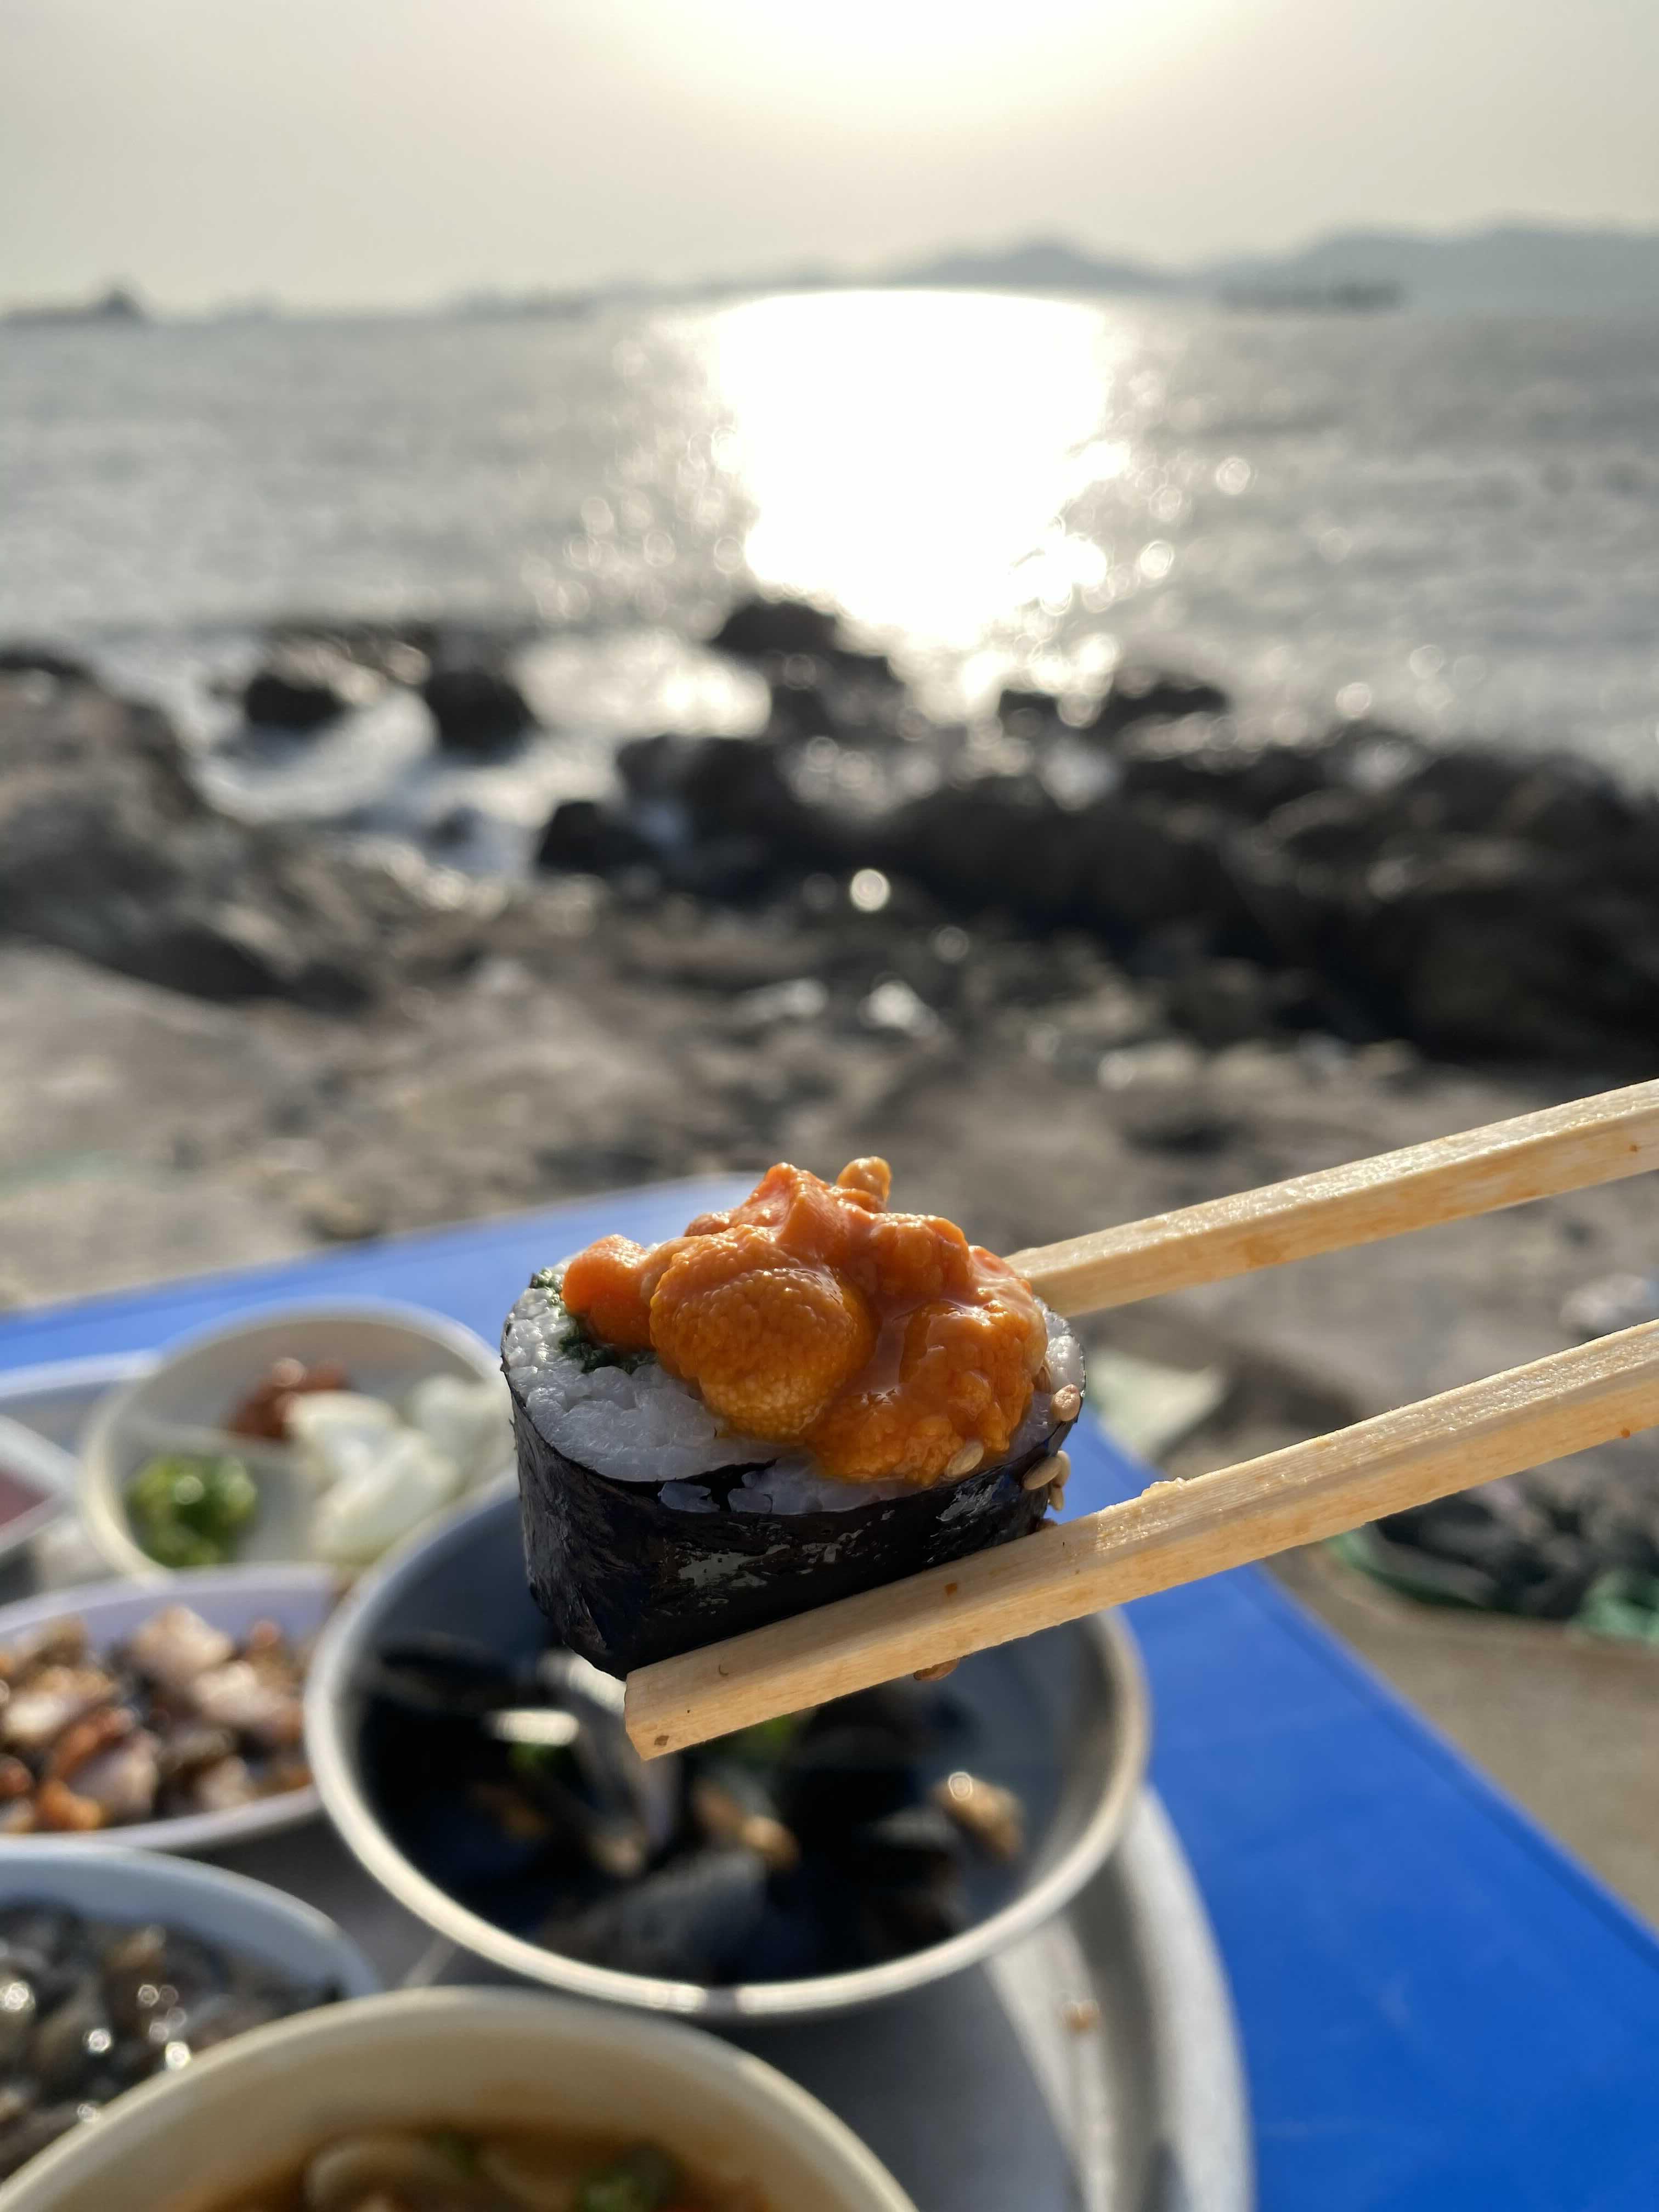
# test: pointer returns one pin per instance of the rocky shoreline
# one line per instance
(1358, 885)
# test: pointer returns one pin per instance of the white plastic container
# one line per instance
(301, 1943)
(385, 1348)
(298, 1599)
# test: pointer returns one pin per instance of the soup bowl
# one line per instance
(201, 2139)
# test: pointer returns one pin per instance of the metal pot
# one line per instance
(1072, 1699)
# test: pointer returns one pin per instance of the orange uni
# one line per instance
(884, 1343)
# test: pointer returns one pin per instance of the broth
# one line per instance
(449, 2169)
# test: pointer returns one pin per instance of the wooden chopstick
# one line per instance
(1590, 1140)
(1174, 1532)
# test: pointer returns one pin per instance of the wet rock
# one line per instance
(1471, 903)
(1136, 695)
(724, 818)
(1140, 695)
(281, 699)
(1224, 1001)
(107, 850)
(1198, 758)
(758, 626)
(28, 659)
(584, 838)
(475, 707)
(1143, 866)
(1000, 841)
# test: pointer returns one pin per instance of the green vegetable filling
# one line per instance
(575, 1341)
(188, 1508)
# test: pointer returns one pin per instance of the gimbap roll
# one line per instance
(795, 1400)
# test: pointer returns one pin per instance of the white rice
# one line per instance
(647, 1426)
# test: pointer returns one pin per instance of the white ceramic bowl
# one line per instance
(128, 1886)
(385, 1348)
(198, 2141)
(298, 1599)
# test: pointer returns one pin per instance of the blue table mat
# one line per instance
(1438, 2006)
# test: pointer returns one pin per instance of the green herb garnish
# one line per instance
(643, 2179)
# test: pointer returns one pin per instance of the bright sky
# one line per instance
(341, 152)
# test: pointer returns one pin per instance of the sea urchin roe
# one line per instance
(603, 1286)
(884, 1343)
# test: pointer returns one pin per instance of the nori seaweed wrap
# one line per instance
(650, 1528)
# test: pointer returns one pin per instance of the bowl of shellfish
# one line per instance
(480, 1771)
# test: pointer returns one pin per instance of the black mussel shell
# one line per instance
(691, 1922)
(443, 1678)
(842, 1778)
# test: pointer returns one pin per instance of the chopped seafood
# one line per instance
(176, 1720)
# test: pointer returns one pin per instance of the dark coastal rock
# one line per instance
(1200, 758)
(1144, 866)
(757, 627)
(584, 838)
(107, 850)
(723, 810)
(23, 659)
(1474, 902)
(1135, 696)
(850, 699)
(1149, 695)
(774, 633)
(1001, 840)
(475, 707)
(280, 698)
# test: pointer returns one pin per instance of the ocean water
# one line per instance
(1451, 524)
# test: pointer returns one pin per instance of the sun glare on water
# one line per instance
(907, 454)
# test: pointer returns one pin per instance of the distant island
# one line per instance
(1037, 264)
(1505, 269)
(119, 304)
(1312, 299)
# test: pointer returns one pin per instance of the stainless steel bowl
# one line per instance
(1072, 1699)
